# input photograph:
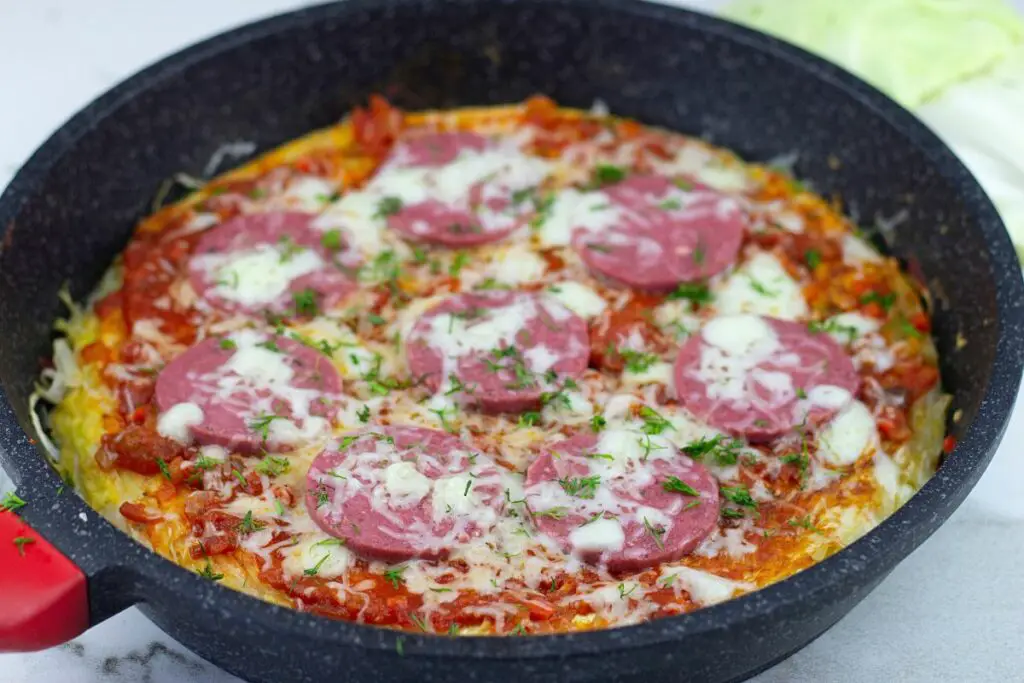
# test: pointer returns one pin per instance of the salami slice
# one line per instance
(248, 392)
(624, 499)
(761, 377)
(653, 234)
(499, 351)
(396, 493)
(457, 189)
(271, 262)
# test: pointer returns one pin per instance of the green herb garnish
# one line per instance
(654, 423)
(306, 303)
(739, 495)
(886, 301)
(677, 485)
(394, 576)
(695, 292)
(261, 425)
(164, 470)
(458, 263)
(331, 239)
(208, 573)
(11, 502)
(388, 206)
(580, 487)
(273, 466)
(606, 174)
(637, 361)
(557, 512)
(21, 541)
(656, 533)
(249, 525)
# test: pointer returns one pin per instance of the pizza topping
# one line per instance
(395, 493)
(762, 377)
(763, 287)
(261, 392)
(622, 511)
(269, 262)
(578, 298)
(848, 435)
(456, 189)
(652, 234)
(499, 351)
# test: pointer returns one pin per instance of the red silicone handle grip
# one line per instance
(43, 600)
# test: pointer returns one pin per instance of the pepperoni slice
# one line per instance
(653, 234)
(457, 189)
(396, 493)
(499, 351)
(626, 499)
(270, 262)
(248, 392)
(761, 377)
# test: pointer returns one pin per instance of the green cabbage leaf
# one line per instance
(911, 49)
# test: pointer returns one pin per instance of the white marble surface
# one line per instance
(953, 611)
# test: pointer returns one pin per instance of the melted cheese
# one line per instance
(257, 276)
(704, 588)
(575, 409)
(517, 265)
(454, 495)
(307, 193)
(676, 317)
(260, 365)
(540, 359)
(578, 298)
(732, 542)
(846, 327)
(177, 421)
(848, 435)
(655, 373)
(762, 286)
(601, 535)
(740, 335)
(356, 215)
(573, 210)
(456, 336)
(327, 556)
(404, 485)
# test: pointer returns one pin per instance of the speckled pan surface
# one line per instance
(72, 207)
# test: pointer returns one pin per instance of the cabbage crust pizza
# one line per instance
(508, 370)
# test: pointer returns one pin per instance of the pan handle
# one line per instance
(42, 593)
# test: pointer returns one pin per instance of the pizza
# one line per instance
(510, 370)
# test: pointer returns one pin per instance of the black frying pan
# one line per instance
(73, 205)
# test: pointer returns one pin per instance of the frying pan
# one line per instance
(70, 210)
